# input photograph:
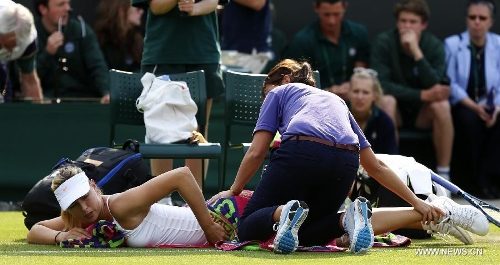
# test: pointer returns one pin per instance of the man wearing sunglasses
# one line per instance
(474, 70)
(411, 66)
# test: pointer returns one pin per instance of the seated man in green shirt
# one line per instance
(69, 62)
(332, 45)
(335, 46)
(411, 65)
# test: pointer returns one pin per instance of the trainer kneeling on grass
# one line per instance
(312, 171)
(144, 222)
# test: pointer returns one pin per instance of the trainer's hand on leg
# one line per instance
(430, 213)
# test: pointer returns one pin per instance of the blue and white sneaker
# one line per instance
(292, 216)
(357, 223)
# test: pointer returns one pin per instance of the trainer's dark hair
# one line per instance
(418, 7)
(299, 72)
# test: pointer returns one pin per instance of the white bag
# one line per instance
(169, 111)
(412, 172)
(255, 62)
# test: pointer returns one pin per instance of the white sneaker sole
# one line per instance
(293, 215)
(462, 235)
(362, 236)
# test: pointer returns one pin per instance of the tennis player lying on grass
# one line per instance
(135, 211)
(148, 224)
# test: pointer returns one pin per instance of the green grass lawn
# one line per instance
(15, 250)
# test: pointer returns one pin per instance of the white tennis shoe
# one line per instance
(292, 216)
(464, 216)
(357, 223)
(445, 229)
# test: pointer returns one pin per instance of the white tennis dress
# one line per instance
(165, 225)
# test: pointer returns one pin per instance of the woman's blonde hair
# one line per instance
(299, 72)
(60, 176)
(365, 73)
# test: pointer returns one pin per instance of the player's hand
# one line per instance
(215, 232)
(75, 233)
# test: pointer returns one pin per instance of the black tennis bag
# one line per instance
(113, 170)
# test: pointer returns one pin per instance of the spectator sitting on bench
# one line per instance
(365, 96)
(473, 69)
(70, 63)
(411, 64)
(333, 45)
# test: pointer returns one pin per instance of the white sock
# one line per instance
(444, 172)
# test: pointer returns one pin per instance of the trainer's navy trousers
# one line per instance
(318, 174)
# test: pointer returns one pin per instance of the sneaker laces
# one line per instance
(465, 219)
(441, 230)
(445, 237)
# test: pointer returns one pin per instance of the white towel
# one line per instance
(410, 172)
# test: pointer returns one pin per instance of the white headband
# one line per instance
(72, 189)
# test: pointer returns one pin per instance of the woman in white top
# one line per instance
(145, 223)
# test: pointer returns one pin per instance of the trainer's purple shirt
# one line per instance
(299, 109)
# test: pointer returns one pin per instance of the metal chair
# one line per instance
(242, 106)
(126, 87)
